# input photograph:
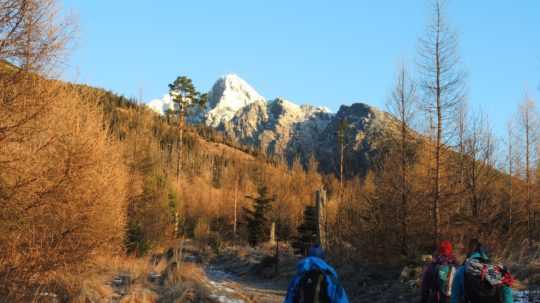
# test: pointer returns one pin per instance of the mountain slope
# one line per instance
(364, 131)
(282, 128)
(278, 127)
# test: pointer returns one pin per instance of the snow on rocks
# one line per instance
(228, 95)
(281, 127)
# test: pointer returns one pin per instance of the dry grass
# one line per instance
(182, 282)
(188, 272)
(137, 268)
(94, 289)
(97, 283)
(143, 295)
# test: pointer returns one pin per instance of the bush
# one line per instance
(62, 191)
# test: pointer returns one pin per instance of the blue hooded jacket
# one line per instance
(458, 287)
(335, 292)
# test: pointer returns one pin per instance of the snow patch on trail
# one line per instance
(220, 286)
(223, 299)
(526, 296)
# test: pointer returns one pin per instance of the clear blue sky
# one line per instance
(318, 52)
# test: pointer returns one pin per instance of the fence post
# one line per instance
(273, 234)
(320, 204)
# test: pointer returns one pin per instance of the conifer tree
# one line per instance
(186, 99)
(307, 231)
(257, 221)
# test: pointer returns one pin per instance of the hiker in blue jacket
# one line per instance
(475, 252)
(330, 289)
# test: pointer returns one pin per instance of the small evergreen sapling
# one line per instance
(257, 221)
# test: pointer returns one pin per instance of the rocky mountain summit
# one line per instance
(228, 95)
(282, 128)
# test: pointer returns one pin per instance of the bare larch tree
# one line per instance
(528, 124)
(442, 82)
(402, 104)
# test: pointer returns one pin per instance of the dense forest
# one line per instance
(86, 173)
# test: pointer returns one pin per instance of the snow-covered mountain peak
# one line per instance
(229, 94)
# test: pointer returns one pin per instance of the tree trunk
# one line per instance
(178, 154)
(321, 217)
(528, 178)
(342, 149)
(404, 212)
(235, 210)
(438, 143)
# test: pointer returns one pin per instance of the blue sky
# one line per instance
(318, 52)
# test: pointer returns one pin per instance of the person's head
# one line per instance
(316, 251)
(445, 248)
(474, 246)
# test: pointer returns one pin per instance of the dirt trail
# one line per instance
(228, 288)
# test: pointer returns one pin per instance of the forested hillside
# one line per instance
(197, 181)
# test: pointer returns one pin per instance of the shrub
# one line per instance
(62, 191)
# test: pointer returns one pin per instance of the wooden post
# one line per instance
(275, 241)
(235, 209)
(273, 234)
(176, 225)
(320, 200)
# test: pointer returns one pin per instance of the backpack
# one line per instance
(312, 288)
(483, 281)
(444, 275)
